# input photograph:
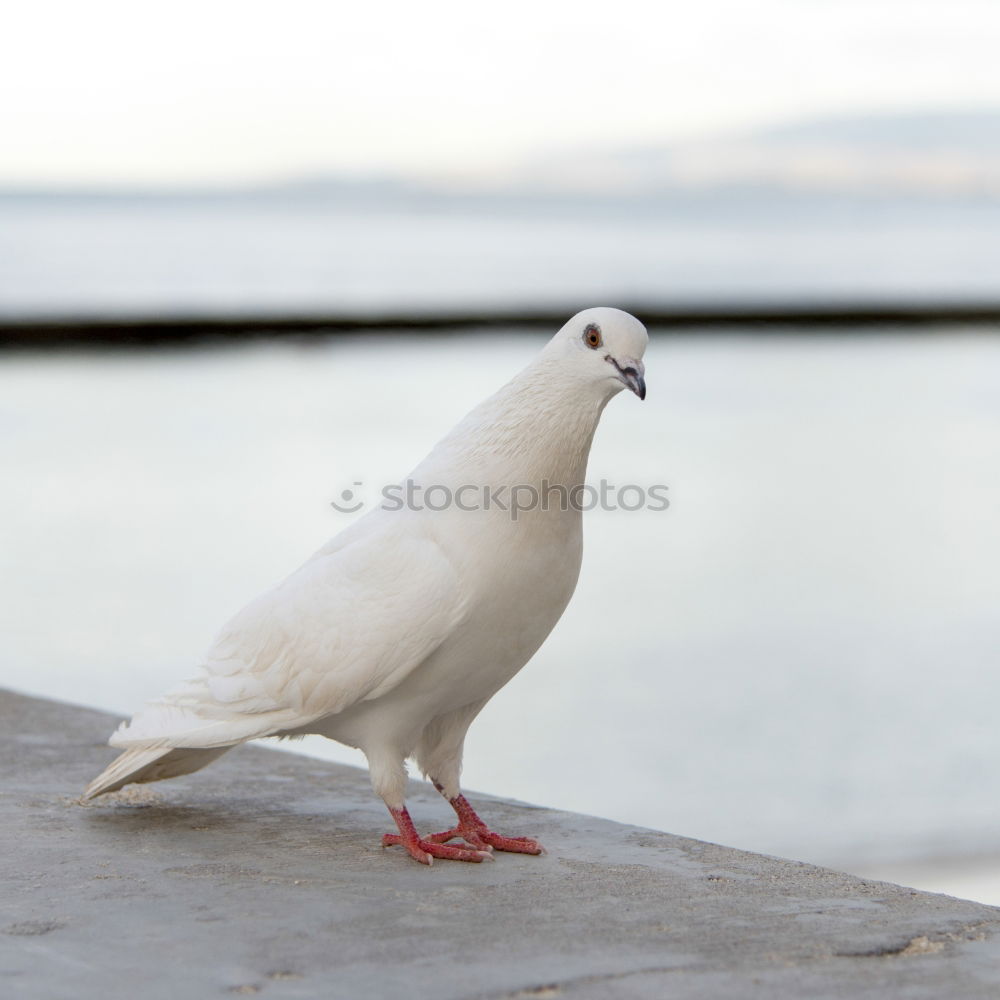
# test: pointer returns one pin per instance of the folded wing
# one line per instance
(348, 625)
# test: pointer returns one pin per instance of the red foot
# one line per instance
(475, 832)
(425, 851)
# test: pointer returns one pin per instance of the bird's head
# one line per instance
(604, 347)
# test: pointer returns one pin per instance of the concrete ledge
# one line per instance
(263, 875)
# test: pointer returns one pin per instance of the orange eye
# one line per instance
(592, 336)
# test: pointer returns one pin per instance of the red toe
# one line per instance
(469, 835)
(426, 849)
(472, 829)
(514, 845)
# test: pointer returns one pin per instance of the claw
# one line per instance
(480, 840)
(474, 831)
(427, 849)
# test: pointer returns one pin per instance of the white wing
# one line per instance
(347, 626)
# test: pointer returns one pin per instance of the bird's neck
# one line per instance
(539, 426)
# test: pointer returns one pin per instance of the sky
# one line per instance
(232, 91)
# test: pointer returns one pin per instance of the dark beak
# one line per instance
(635, 382)
(632, 373)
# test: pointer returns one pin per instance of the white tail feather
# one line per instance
(163, 725)
(143, 765)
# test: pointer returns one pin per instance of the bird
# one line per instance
(396, 633)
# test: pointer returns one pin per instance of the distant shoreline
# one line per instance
(138, 331)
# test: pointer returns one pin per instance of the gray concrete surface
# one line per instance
(263, 875)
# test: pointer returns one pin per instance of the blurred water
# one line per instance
(249, 255)
(798, 657)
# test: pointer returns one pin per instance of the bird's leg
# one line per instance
(388, 774)
(425, 850)
(439, 753)
(473, 830)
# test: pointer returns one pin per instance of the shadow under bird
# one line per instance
(397, 632)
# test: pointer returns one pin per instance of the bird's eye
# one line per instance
(592, 336)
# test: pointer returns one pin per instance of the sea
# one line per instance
(291, 252)
(797, 655)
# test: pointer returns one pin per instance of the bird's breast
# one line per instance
(510, 609)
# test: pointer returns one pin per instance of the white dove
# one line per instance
(397, 632)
